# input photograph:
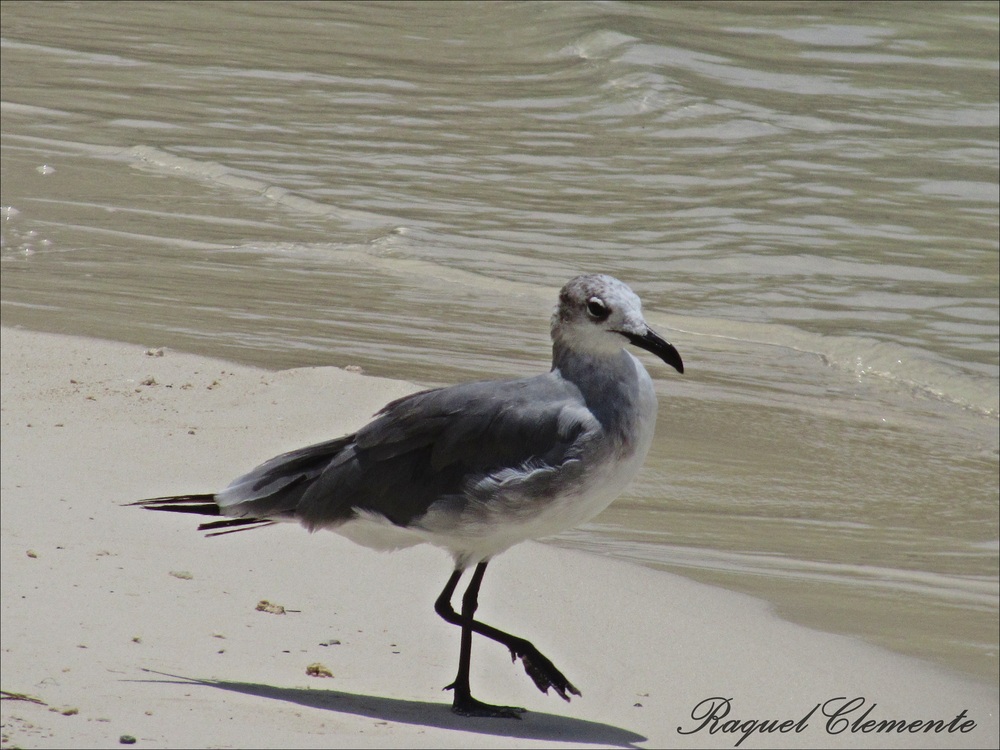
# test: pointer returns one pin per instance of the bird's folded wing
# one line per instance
(274, 488)
(432, 446)
(438, 445)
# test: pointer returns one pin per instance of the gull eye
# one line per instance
(597, 310)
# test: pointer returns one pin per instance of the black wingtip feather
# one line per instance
(241, 524)
(203, 505)
(232, 522)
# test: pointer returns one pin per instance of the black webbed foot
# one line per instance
(542, 671)
(466, 705)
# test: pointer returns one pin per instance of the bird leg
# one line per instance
(464, 703)
(542, 671)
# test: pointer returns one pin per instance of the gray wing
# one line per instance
(274, 489)
(429, 447)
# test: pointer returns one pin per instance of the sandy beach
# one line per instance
(119, 624)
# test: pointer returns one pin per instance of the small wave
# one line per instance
(968, 591)
(893, 364)
(219, 174)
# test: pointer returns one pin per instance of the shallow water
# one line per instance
(805, 196)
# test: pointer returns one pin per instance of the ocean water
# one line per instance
(805, 195)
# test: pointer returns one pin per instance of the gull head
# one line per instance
(598, 314)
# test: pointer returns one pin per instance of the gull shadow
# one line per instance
(534, 725)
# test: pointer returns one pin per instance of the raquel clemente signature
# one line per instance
(838, 715)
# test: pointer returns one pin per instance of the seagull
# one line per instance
(478, 467)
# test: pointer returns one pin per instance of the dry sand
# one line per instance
(124, 622)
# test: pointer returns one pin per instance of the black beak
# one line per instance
(652, 342)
